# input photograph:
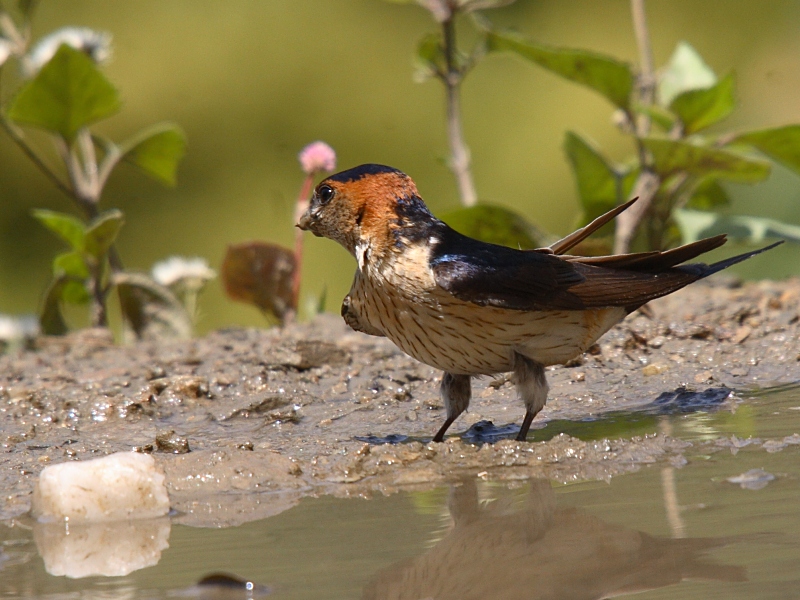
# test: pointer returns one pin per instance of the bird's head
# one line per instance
(371, 204)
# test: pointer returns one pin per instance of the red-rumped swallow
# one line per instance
(472, 308)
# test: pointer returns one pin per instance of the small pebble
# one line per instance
(169, 441)
(703, 377)
(741, 334)
(654, 369)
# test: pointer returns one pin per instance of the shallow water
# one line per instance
(667, 531)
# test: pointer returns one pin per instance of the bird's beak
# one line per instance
(305, 221)
(308, 221)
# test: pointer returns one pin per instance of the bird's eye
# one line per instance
(325, 194)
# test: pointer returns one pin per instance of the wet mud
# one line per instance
(247, 422)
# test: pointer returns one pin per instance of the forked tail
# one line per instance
(703, 270)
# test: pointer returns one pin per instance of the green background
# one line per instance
(252, 82)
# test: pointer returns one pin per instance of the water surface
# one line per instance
(667, 531)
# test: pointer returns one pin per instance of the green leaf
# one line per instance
(157, 151)
(606, 75)
(71, 271)
(70, 264)
(629, 180)
(672, 156)
(75, 292)
(430, 56)
(780, 143)
(69, 228)
(686, 70)
(429, 50)
(67, 94)
(496, 225)
(695, 225)
(102, 233)
(151, 311)
(708, 194)
(659, 115)
(50, 318)
(701, 108)
(598, 182)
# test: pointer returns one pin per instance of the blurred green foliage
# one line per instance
(607, 76)
(252, 82)
(669, 167)
(496, 225)
(63, 93)
(68, 94)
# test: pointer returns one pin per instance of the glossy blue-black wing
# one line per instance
(491, 275)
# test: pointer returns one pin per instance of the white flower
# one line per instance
(6, 48)
(177, 268)
(18, 328)
(96, 44)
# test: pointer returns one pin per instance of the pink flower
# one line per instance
(317, 156)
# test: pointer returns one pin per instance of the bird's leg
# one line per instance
(456, 393)
(532, 387)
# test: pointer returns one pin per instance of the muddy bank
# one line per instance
(246, 422)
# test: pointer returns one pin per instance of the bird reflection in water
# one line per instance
(544, 551)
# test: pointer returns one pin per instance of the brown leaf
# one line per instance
(261, 274)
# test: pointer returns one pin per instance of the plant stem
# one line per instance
(300, 208)
(81, 165)
(98, 294)
(647, 79)
(17, 137)
(86, 198)
(459, 153)
(648, 182)
(88, 163)
(89, 209)
(12, 33)
(110, 160)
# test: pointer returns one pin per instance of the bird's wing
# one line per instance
(604, 287)
(491, 275)
(559, 285)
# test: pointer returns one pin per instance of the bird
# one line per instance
(471, 308)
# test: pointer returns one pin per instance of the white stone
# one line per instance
(125, 485)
